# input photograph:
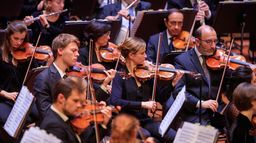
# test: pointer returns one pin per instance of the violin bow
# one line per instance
(32, 57)
(224, 70)
(190, 34)
(92, 91)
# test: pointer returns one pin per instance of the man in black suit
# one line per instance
(204, 87)
(173, 23)
(65, 52)
(68, 97)
(119, 11)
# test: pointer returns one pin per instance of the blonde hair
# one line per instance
(124, 129)
(131, 45)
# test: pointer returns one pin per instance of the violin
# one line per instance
(98, 71)
(110, 53)
(180, 42)
(219, 59)
(164, 72)
(89, 113)
(42, 53)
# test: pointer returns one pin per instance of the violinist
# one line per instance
(245, 101)
(68, 96)
(134, 96)
(12, 70)
(118, 11)
(173, 22)
(50, 26)
(205, 87)
(65, 52)
(100, 34)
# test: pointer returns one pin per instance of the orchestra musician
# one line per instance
(205, 87)
(12, 70)
(133, 95)
(100, 34)
(65, 52)
(118, 11)
(244, 98)
(50, 26)
(173, 22)
(68, 96)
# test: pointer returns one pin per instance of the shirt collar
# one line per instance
(168, 36)
(59, 70)
(63, 116)
(197, 52)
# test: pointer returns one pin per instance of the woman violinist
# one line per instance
(134, 96)
(100, 34)
(12, 70)
(50, 26)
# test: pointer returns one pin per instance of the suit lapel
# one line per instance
(165, 42)
(54, 73)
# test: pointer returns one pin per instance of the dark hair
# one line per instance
(171, 11)
(243, 96)
(67, 85)
(61, 41)
(13, 27)
(239, 75)
(96, 29)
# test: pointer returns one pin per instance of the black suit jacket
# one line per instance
(54, 124)
(43, 88)
(153, 44)
(190, 61)
(113, 9)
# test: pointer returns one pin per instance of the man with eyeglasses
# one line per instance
(204, 87)
(174, 23)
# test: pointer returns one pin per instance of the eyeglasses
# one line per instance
(209, 42)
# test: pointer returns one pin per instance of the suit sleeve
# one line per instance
(191, 100)
(151, 50)
(41, 92)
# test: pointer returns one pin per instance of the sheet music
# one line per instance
(19, 111)
(36, 135)
(194, 133)
(173, 111)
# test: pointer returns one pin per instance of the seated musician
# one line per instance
(68, 97)
(65, 52)
(244, 97)
(50, 26)
(118, 11)
(14, 63)
(173, 23)
(134, 95)
(205, 87)
(100, 34)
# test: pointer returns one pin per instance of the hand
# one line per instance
(177, 77)
(124, 13)
(210, 104)
(107, 113)
(40, 6)
(200, 15)
(44, 21)
(9, 95)
(204, 7)
(28, 18)
(110, 75)
(151, 105)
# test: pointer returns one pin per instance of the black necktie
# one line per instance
(65, 76)
(204, 66)
(170, 44)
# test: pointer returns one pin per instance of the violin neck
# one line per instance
(173, 70)
(240, 62)
(95, 70)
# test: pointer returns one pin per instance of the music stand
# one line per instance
(78, 28)
(235, 17)
(148, 23)
(157, 4)
(84, 9)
